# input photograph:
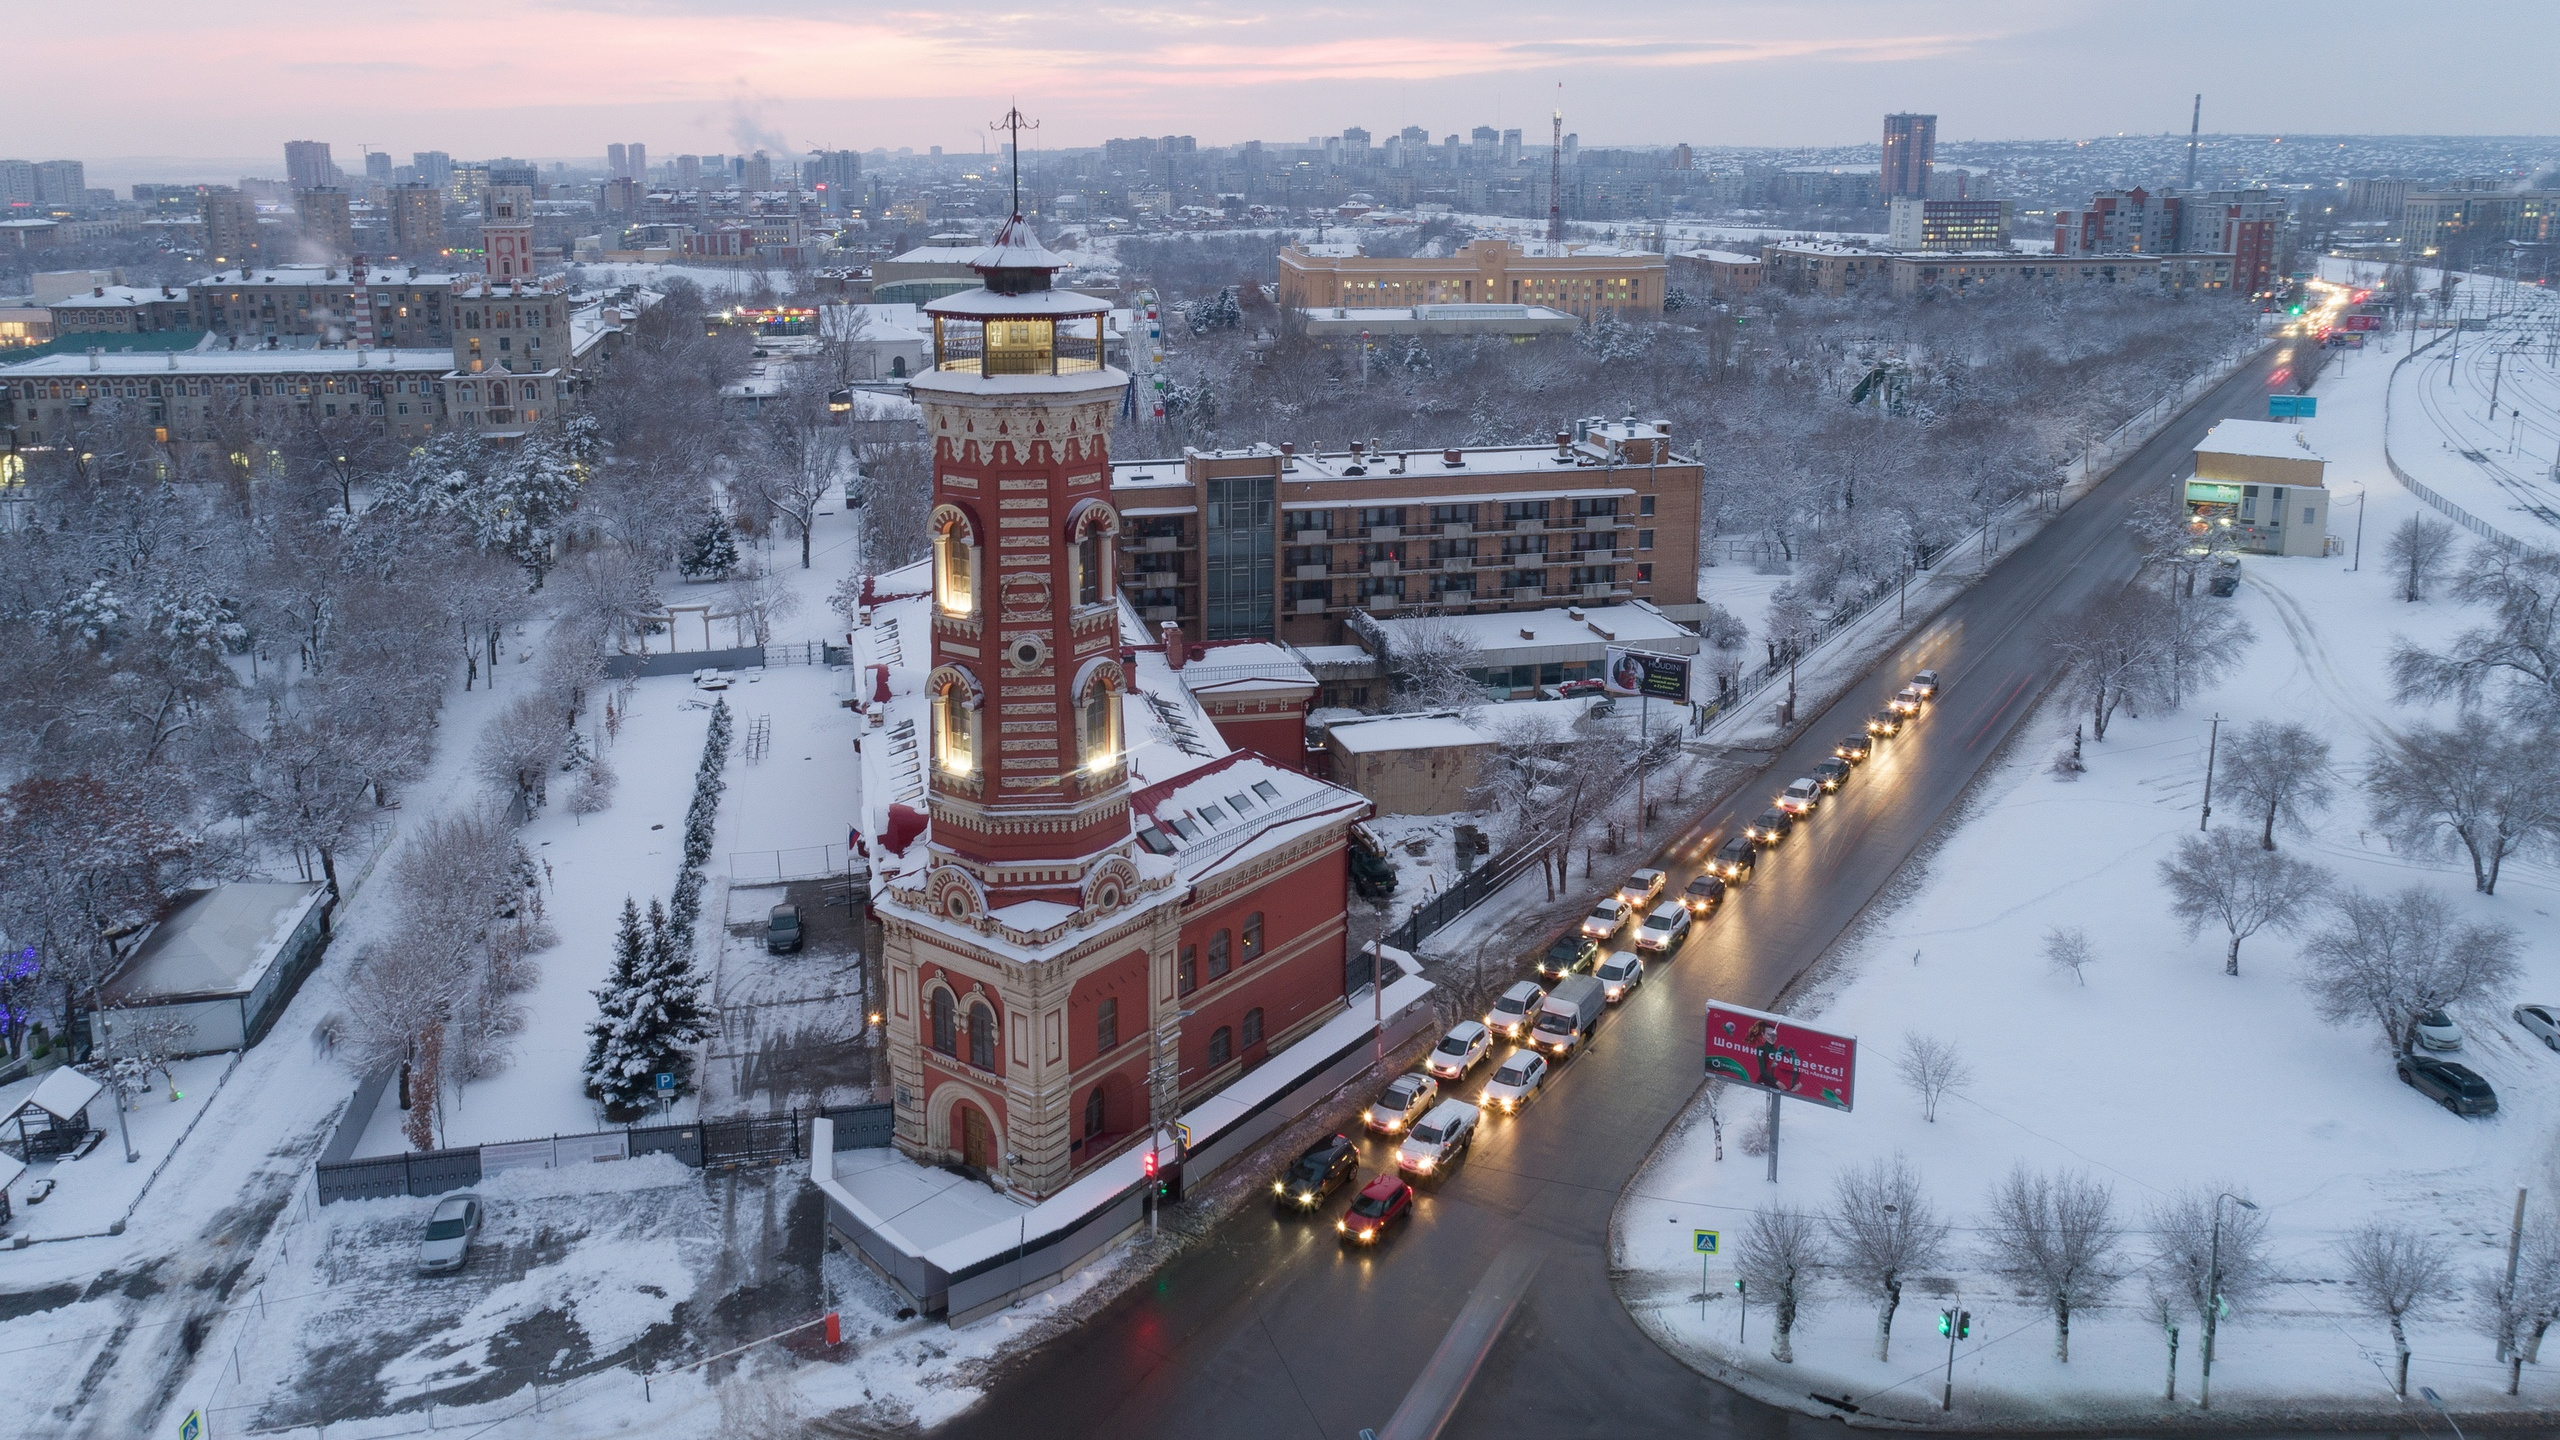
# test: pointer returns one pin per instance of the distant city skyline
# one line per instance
(789, 75)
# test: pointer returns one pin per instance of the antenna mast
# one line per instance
(1555, 172)
(2195, 127)
(1015, 123)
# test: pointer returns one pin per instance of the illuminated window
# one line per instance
(954, 553)
(955, 727)
(1100, 725)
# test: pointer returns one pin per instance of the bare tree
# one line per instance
(757, 598)
(2056, 1237)
(800, 455)
(137, 1044)
(520, 747)
(2391, 959)
(2398, 1274)
(1883, 1229)
(1711, 1103)
(2194, 1259)
(1429, 657)
(2224, 878)
(2113, 648)
(2518, 650)
(2416, 551)
(2474, 787)
(2518, 1312)
(1779, 1261)
(2279, 772)
(1934, 1069)
(2068, 948)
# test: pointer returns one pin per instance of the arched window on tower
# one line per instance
(1093, 533)
(954, 564)
(955, 723)
(982, 1037)
(1098, 723)
(945, 1030)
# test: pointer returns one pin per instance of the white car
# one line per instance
(1438, 1139)
(1459, 1050)
(1607, 918)
(2542, 1022)
(1619, 975)
(2436, 1031)
(1515, 1010)
(1641, 888)
(1395, 1108)
(1802, 796)
(1516, 1082)
(450, 1227)
(1664, 929)
(1926, 682)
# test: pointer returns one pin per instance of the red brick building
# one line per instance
(1095, 907)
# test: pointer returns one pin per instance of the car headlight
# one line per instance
(1342, 1225)
(1279, 1188)
(1421, 1162)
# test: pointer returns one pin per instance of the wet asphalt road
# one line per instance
(1272, 1329)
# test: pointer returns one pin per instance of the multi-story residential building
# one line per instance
(2432, 221)
(1910, 149)
(434, 169)
(213, 398)
(2119, 222)
(1583, 280)
(1266, 543)
(2246, 225)
(1934, 272)
(835, 175)
(1720, 272)
(307, 165)
(18, 185)
(401, 306)
(62, 184)
(417, 221)
(639, 161)
(231, 232)
(328, 224)
(1947, 224)
(1827, 267)
(617, 161)
(127, 310)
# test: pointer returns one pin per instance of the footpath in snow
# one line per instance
(2158, 1077)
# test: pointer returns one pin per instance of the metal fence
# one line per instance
(722, 1144)
(1471, 889)
(772, 867)
(2409, 482)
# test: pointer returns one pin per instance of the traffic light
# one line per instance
(1946, 1322)
(1955, 1324)
(1151, 1164)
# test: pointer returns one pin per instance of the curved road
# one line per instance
(1270, 1329)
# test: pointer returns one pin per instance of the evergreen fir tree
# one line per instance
(712, 552)
(610, 1052)
(577, 756)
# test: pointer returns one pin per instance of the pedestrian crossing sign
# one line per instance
(1706, 1240)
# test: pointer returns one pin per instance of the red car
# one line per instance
(1381, 1202)
(1571, 688)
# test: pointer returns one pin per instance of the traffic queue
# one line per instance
(1547, 1020)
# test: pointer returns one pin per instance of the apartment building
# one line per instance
(200, 397)
(1581, 280)
(401, 306)
(1719, 272)
(512, 349)
(1915, 224)
(328, 223)
(1910, 151)
(1268, 543)
(128, 310)
(1908, 275)
(417, 221)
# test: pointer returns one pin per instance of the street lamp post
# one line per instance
(2212, 744)
(2213, 1296)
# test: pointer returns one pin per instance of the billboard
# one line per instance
(1772, 1052)
(2293, 407)
(1642, 672)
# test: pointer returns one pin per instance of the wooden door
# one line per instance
(977, 1140)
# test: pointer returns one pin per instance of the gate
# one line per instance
(864, 1127)
(760, 1140)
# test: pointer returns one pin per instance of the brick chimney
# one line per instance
(1177, 648)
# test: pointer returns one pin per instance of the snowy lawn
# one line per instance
(2159, 1074)
(98, 1189)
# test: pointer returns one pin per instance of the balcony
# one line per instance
(1384, 532)
(1312, 572)
(1380, 604)
(1527, 592)
(1312, 537)
(1312, 605)
(1156, 544)
(1597, 590)
(1161, 614)
(1458, 529)
(1382, 567)
(1458, 562)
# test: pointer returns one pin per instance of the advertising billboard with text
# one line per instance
(1772, 1052)
(1641, 672)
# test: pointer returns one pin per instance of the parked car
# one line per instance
(1572, 688)
(2542, 1022)
(710, 680)
(1619, 975)
(2226, 579)
(1515, 1010)
(1664, 930)
(782, 930)
(2456, 1087)
(1908, 701)
(1459, 1050)
(1404, 1100)
(1607, 918)
(1516, 1082)
(450, 1227)
(1323, 1169)
(1641, 888)
(1834, 773)
(1704, 894)
(1380, 1203)
(1772, 828)
(2436, 1031)
(1438, 1139)
(1853, 748)
(1734, 860)
(1926, 682)
(1801, 796)
(1568, 954)
(1572, 1011)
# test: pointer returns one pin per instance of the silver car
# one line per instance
(2542, 1022)
(449, 1231)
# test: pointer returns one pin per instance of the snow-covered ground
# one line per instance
(102, 1187)
(2160, 1073)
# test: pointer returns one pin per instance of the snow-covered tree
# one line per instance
(78, 856)
(2194, 1258)
(711, 551)
(1779, 1261)
(2055, 1237)
(2416, 552)
(2223, 878)
(2398, 1274)
(2474, 787)
(2390, 959)
(1934, 1069)
(520, 747)
(649, 1011)
(2516, 655)
(1883, 1231)
(2114, 647)
(2278, 772)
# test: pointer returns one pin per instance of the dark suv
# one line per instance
(1322, 1170)
(2457, 1088)
(1734, 860)
(782, 929)
(1568, 954)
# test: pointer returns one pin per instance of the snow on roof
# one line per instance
(1053, 303)
(1389, 733)
(1017, 247)
(230, 362)
(329, 275)
(217, 942)
(11, 1167)
(2266, 439)
(1636, 623)
(1721, 257)
(64, 1093)
(937, 255)
(885, 321)
(118, 297)
(1241, 665)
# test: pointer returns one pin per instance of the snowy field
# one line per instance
(2157, 1075)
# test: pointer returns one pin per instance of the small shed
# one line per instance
(55, 1118)
(11, 1167)
(2263, 482)
(225, 960)
(1409, 764)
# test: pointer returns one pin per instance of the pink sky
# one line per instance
(561, 78)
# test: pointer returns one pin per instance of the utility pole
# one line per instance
(2515, 1250)
(2213, 1297)
(2195, 127)
(1955, 1324)
(2358, 563)
(2212, 743)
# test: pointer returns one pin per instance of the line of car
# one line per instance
(1549, 1019)
(2452, 1084)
